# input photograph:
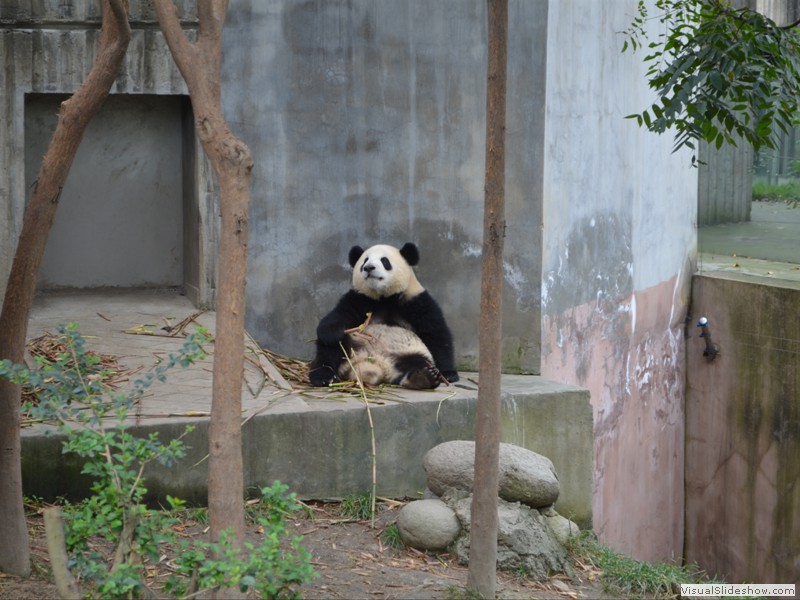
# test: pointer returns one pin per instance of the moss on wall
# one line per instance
(743, 432)
(766, 334)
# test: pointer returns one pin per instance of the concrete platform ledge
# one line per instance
(314, 442)
(320, 447)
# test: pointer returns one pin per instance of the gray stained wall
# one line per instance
(619, 242)
(366, 122)
(47, 49)
(110, 210)
(743, 430)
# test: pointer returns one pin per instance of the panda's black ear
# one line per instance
(410, 253)
(355, 254)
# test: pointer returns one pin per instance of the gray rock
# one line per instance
(524, 475)
(562, 528)
(428, 525)
(548, 511)
(524, 541)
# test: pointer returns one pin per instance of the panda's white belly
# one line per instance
(375, 352)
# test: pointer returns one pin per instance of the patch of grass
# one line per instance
(629, 577)
(787, 192)
(357, 506)
(34, 504)
(198, 514)
(456, 592)
(391, 536)
(521, 572)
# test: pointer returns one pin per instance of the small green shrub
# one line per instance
(198, 514)
(70, 392)
(269, 569)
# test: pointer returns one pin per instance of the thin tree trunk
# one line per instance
(483, 531)
(74, 115)
(57, 551)
(199, 64)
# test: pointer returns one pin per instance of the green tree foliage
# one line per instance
(70, 391)
(720, 73)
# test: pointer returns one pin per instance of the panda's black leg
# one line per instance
(417, 372)
(324, 369)
(322, 375)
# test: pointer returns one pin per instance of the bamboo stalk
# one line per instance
(371, 434)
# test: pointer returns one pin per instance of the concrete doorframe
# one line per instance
(200, 229)
(49, 50)
(197, 206)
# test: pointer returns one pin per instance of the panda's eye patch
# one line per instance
(386, 263)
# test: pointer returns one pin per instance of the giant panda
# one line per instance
(406, 340)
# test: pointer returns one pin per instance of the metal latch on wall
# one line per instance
(711, 350)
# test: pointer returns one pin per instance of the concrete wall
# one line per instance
(367, 124)
(743, 431)
(725, 184)
(366, 121)
(48, 48)
(110, 210)
(619, 240)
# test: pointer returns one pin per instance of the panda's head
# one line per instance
(382, 271)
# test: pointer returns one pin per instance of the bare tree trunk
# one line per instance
(483, 531)
(199, 64)
(74, 115)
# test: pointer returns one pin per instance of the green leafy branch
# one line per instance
(69, 391)
(721, 74)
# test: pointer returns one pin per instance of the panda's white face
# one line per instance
(382, 271)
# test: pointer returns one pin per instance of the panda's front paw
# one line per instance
(322, 376)
(451, 376)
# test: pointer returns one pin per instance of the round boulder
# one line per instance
(524, 475)
(428, 525)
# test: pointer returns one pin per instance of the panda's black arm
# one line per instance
(426, 319)
(350, 311)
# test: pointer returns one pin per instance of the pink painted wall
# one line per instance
(629, 352)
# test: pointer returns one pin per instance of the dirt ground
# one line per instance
(352, 561)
